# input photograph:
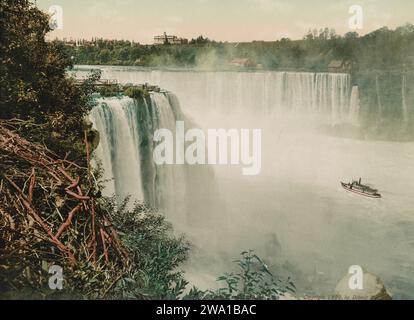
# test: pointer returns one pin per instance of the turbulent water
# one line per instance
(294, 212)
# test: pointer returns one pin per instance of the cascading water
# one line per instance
(118, 148)
(378, 92)
(260, 93)
(126, 128)
(126, 147)
(354, 107)
(172, 178)
(404, 100)
(320, 93)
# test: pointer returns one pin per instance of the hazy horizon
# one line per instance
(230, 20)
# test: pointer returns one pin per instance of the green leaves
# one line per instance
(252, 281)
(157, 253)
(136, 92)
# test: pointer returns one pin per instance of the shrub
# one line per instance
(136, 92)
(156, 253)
(253, 281)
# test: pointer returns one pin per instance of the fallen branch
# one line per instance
(32, 185)
(39, 220)
(68, 220)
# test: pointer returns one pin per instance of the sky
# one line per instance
(220, 20)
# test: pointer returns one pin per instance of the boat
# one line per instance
(361, 189)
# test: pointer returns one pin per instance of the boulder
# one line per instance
(372, 289)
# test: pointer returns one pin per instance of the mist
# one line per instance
(294, 213)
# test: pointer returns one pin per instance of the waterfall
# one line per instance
(118, 149)
(260, 93)
(125, 151)
(377, 90)
(354, 106)
(126, 128)
(171, 178)
(404, 100)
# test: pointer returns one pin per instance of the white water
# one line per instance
(404, 100)
(125, 151)
(254, 92)
(354, 107)
(295, 209)
(117, 148)
(379, 102)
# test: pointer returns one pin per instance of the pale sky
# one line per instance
(221, 20)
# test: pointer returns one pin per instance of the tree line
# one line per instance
(381, 49)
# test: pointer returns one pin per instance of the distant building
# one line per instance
(242, 63)
(169, 39)
(339, 66)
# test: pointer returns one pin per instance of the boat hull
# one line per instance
(365, 194)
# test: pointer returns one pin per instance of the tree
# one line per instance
(309, 35)
(351, 35)
(33, 79)
(49, 108)
(105, 55)
(200, 40)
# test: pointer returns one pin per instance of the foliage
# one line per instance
(135, 92)
(151, 272)
(155, 253)
(253, 281)
(132, 91)
(43, 107)
(33, 82)
(381, 49)
(109, 90)
(200, 40)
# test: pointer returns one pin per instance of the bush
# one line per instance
(253, 281)
(109, 90)
(135, 92)
(156, 253)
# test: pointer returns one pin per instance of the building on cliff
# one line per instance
(169, 39)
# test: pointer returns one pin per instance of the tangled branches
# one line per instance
(49, 211)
